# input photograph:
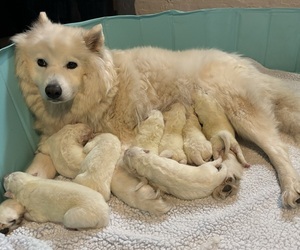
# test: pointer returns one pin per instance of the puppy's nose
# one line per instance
(53, 90)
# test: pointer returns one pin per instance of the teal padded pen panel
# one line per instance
(270, 36)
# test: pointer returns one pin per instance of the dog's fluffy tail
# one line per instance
(286, 101)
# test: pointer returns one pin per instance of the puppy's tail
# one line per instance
(226, 138)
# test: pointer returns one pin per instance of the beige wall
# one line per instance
(154, 6)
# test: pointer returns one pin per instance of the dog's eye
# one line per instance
(71, 65)
(42, 62)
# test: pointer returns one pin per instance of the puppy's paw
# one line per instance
(197, 151)
(176, 155)
(150, 200)
(291, 196)
(228, 188)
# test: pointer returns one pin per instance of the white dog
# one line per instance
(74, 205)
(67, 76)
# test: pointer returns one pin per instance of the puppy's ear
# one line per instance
(94, 38)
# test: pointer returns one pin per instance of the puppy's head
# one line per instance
(59, 60)
(11, 214)
(14, 182)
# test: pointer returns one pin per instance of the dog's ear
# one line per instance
(43, 19)
(20, 38)
(94, 38)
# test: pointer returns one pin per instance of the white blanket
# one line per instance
(254, 219)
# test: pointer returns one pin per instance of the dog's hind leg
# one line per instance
(287, 108)
(259, 126)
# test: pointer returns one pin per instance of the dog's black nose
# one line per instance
(53, 90)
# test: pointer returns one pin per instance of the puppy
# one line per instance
(197, 148)
(182, 181)
(140, 195)
(150, 132)
(66, 148)
(96, 170)
(171, 144)
(74, 205)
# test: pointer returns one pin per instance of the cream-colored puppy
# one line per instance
(197, 148)
(141, 195)
(150, 132)
(171, 144)
(65, 148)
(218, 130)
(180, 180)
(96, 171)
(11, 213)
(74, 205)
(222, 137)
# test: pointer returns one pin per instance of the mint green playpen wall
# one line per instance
(270, 36)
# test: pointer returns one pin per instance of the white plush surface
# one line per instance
(254, 219)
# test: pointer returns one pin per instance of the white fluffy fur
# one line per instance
(74, 205)
(113, 90)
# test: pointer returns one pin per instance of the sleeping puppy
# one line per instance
(11, 214)
(182, 181)
(74, 205)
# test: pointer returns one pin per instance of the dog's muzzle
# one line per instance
(53, 91)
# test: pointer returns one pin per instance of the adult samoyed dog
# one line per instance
(68, 76)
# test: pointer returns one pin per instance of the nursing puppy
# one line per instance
(74, 205)
(65, 148)
(174, 178)
(67, 76)
(171, 144)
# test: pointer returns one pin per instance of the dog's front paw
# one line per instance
(291, 195)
